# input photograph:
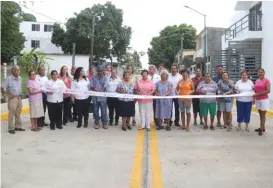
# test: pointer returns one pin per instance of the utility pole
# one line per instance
(205, 47)
(92, 42)
(73, 55)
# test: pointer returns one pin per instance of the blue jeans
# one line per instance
(102, 105)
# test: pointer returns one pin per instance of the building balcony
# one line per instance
(248, 27)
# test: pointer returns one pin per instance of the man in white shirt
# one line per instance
(112, 102)
(41, 78)
(155, 78)
(174, 78)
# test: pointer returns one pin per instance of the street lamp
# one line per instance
(205, 38)
(92, 39)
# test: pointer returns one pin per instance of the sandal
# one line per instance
(212, 128)
(182, 128)
(229, 128)
(123, 128)
(35, 129)
(187, 129)
(205, 127)
(247, 130)
(168, 128)
(129, 127)
(159, 127)
(148, 129)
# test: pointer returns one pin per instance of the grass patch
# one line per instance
(24, 76)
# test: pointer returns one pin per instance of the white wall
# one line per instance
(267, 42)
(44, 37)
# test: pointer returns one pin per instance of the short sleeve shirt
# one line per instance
(145, 87)
(260, 87)
(34, 85)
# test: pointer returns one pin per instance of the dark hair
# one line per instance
(161, 65)
(185, 70)
(52, 72)
(219, 66)
(174, 65)
(133, 70)
(77, 74)
(244, 71)
(61, 71)
(125, 72)
(144, 70)
(108, 65)
(261, 70)
(29, 72)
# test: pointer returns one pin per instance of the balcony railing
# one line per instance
(250, 22)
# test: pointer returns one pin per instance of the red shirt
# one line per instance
(260, 87)
(197, 81)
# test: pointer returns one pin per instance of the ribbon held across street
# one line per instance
(119, 95)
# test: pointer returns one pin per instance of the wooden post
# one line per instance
(73, 55)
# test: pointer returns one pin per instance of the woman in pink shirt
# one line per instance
(145, 86)
(262, 89)
(67, 103)
(35, 100)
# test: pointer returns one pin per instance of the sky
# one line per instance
(146, 17)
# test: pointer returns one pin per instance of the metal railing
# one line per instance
(251, 22)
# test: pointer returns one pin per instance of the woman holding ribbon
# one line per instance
(67, 102)
(185, 87)
(80, 85)
(126, 105)
(35, 100)
(207, 87)
(226, 87)
(131, 71)
(262, 89)
(145, 86)
(163, 106)
(54, 88)
(244, 104)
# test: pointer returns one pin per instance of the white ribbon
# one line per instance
(120, 95)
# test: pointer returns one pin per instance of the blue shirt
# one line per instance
(217, 78)
(13, 85)
(100, 85)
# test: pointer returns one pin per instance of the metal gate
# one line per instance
(240, 55)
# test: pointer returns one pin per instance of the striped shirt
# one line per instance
(207, 89)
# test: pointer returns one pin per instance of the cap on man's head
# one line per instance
(100, 68)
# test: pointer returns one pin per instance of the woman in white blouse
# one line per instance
(244, 104)
(55, 100)
(80, 84)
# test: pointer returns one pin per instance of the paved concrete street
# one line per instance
(89, 158)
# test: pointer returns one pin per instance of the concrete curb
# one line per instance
(4, 115)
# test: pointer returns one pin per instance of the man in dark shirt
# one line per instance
(216, 79)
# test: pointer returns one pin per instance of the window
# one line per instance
(48, 28)
(35, 27)
(35, 44)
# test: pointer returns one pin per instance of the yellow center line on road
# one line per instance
(157, 181)
(136, 175)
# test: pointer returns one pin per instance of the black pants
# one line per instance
(196, 105)
(176, 112)
(55, 111)
(112, 104)
(82, 110)
(41, 120)
(75, 113)
(66, 110)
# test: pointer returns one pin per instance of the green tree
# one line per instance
(12, 40)
(111, 37)
(28, 17)
(165, 46)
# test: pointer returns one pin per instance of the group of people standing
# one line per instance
(64, 108)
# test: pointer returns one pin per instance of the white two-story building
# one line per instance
(247, 44)
(38, 34)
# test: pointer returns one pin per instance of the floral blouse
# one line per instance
(226, 87)
(129, 88)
